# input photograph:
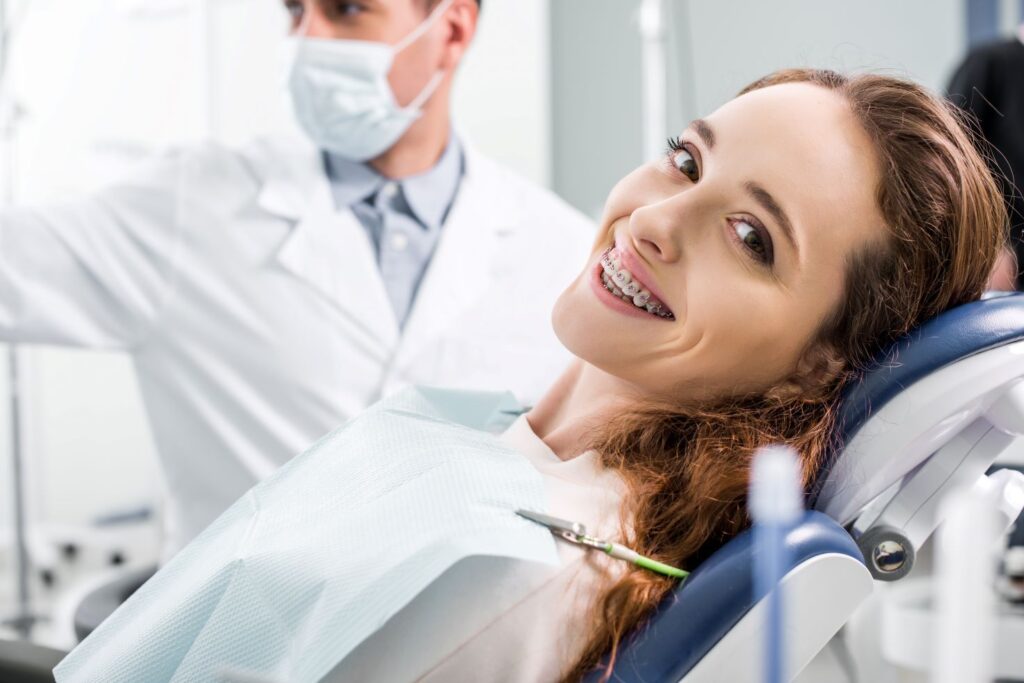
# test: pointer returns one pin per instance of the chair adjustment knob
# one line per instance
(889, 554)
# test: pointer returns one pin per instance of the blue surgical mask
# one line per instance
(341, 95)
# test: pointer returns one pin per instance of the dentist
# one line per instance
(266, 294)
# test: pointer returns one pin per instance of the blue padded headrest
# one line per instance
(712, 600)
(956, 334)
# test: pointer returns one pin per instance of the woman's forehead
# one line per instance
(797, 123)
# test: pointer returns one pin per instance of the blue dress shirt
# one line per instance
(403, 217)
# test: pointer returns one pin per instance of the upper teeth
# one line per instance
(619, 282)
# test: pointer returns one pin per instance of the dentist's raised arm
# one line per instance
(93, 272)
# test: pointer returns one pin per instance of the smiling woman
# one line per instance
(792, 235)
(737, 286)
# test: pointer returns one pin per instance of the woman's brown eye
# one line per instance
(751, 238)
(686, 164)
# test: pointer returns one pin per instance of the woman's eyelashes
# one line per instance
(684, 158)
(752, 236)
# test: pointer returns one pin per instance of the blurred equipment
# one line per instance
(23, 619)
(963, 642)
(20, 663)
(655, 84)
(1011, 580)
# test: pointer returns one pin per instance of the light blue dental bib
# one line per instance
(308, 564)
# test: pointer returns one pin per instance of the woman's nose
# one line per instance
(656, 233)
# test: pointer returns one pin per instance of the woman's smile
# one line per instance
(623, 291)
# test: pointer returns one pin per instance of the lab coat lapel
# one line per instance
(326, 249)
(461, 271)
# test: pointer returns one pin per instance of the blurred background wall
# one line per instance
(717, 48)
(552, 88)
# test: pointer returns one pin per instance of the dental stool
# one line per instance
(27, 663)
(929, 418)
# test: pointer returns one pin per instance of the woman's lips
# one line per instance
(618, 287)
(635, 265)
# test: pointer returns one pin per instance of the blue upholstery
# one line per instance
(711, 601)
(957, 334)
(954, 335)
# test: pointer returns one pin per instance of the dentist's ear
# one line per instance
(460, 20)
(816, 371)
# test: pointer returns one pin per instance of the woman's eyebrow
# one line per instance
(703, 130)
(760, 195)
(767, 201)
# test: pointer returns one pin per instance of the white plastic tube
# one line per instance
(653, 63)
(962, 643)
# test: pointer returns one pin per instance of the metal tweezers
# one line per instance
(574, 532)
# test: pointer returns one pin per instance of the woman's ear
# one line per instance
(817, 369)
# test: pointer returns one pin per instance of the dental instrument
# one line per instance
(574, 532)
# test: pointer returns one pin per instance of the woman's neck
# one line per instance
(582, 398)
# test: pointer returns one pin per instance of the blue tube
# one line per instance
(775, 505)
(772, 562)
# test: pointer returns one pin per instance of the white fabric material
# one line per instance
(311, 562)
(255, 312)
(525, 622)
(341, 94)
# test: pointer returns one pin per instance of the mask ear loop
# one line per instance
(426, 93)
(432, 85)
(418, 32)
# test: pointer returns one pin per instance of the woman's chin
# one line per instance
(587, 342)
(561, 319)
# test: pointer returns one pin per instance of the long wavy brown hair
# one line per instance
(687, 470)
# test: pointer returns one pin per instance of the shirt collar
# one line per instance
(428, 194)
(351, 181)
(431, 193)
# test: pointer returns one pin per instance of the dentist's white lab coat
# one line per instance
(255, 312)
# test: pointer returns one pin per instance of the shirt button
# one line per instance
(399, 241)
(389, 190)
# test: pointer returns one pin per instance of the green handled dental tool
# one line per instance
(574, 532)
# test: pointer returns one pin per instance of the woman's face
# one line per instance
(731, 249)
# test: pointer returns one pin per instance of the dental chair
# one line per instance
(929, 419)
